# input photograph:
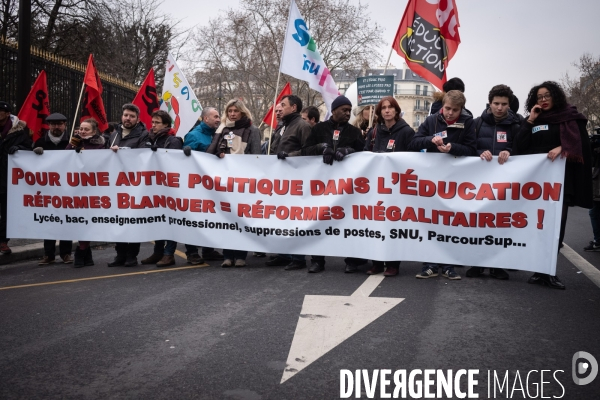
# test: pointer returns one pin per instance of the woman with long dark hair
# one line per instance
(557, 129)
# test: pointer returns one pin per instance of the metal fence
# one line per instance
(65, 79)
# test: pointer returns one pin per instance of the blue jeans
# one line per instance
(595, 220)
(168, 250)
(234, 254)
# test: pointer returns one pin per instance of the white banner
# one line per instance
(178, 99)
(397, 206)
(302, 60)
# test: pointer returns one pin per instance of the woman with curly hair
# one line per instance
(556, 128)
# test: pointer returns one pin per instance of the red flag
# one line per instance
(147, 100)
(36, 107)
(287, 89)
(428, 37)
(93, 107)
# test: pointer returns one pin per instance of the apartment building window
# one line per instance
(424, 90)
(418, 90)
(418, 104)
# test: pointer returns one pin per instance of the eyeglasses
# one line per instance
(546, 96)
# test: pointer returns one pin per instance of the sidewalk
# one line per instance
(26, 249)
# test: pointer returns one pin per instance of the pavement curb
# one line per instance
(34, 250)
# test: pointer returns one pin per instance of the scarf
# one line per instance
(164, 131)
(570, 137)
(55, 139)
(7, 127)
(241, 123)
(287, 119)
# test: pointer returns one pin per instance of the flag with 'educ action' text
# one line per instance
(428, 38)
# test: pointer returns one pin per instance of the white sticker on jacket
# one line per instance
(442, 134)
(539, 128)
(390, 144)
(336, 135)
(501, 137)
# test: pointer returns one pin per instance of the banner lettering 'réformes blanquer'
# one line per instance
(397, 206)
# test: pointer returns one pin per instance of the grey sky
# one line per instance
(497, 38)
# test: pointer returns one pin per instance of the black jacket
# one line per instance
(349, 136)
(461, 134)
(578, 176)
(493, 136)
(135, 139)
(163, 140)
(45, 143)
(401, 134)
(294, 135)
(18, 136)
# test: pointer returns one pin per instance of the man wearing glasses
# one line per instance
(57, 138)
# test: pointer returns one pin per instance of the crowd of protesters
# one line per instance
(551, 126)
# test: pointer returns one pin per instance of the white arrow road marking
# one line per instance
(326, 321)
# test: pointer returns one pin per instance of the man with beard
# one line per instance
(131, 133)
(56, 138)
(287, 142)
(335, 139)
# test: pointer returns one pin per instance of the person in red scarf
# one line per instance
(556, 128)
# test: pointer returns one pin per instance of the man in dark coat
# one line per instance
(450, 131)
(335, 139)
(14, 136)
(495, 131)
(287, 141)
(57, 138)
(130, 133)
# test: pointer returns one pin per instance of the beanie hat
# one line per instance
(4, 106)
(340, 101)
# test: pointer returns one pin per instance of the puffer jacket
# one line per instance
(135, 139)
(396, 138)
(164, 139)
(496, 136)
(461, 134)
(323, 132)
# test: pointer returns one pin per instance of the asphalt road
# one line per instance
(214, 333)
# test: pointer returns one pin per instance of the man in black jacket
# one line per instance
(335, 139)
(287, 141)
(131, 133)
(57, 138)
(450, 131)
(14, 136)
(495, 130)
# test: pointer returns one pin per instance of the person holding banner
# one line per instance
(450, 131)
(55, 139)
(556, 128)
(235, 135)
(335, 139)
(162, 136)
(390, 134)
(287, 141)
(89, 138)
(495, 130)
(198, 139)
(131, 133)
(14, 136)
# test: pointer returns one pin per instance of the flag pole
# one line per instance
(388, 61)
(277, 85)
(273, 113)
(76, 110)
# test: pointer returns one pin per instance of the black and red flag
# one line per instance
(269, 118)
(36, 107)
(428, 37)
(93, 107)
(147, 99)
